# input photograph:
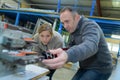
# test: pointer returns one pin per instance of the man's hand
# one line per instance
(57, 62)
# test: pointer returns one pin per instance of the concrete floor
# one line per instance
(67, 74)
(116, 72)
(64, 74)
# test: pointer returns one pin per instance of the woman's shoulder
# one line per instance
(57, 34)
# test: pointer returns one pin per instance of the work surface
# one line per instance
(32, 72)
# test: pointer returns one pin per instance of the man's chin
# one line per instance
(45, 43)
(68, 31)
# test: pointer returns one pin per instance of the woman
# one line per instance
(47, 39)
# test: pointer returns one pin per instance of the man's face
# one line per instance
(45, 37)
(68, 21)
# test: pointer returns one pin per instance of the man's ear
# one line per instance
(77, 16)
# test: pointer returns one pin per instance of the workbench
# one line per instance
(32, 72)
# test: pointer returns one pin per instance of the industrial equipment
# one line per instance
(15, 51)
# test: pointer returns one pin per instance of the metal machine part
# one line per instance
(20, 60)
(48, 55)
(16, 53)
(24, 60)
(12, 43)
(13, 40)
(30, 59)
(10, 64)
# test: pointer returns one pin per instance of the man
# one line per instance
(87, 45)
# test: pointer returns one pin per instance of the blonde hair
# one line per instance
(45, 27)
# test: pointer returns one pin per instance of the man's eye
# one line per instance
(67, 21)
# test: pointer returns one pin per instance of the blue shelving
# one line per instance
(26, 15)
(109, 26)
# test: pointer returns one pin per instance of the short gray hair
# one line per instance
(72, 10)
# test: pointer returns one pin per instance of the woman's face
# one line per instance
(45, 37)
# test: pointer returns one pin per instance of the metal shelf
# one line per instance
(108, 25)
(27, 14)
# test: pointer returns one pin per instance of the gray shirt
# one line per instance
(88, 46)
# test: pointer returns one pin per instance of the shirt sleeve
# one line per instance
(89, 45)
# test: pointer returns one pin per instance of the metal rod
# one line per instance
(93, 7)
(60, 28)
(58, 6)
(17, 18)
(99, 8)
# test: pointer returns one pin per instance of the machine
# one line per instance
(15, 51)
